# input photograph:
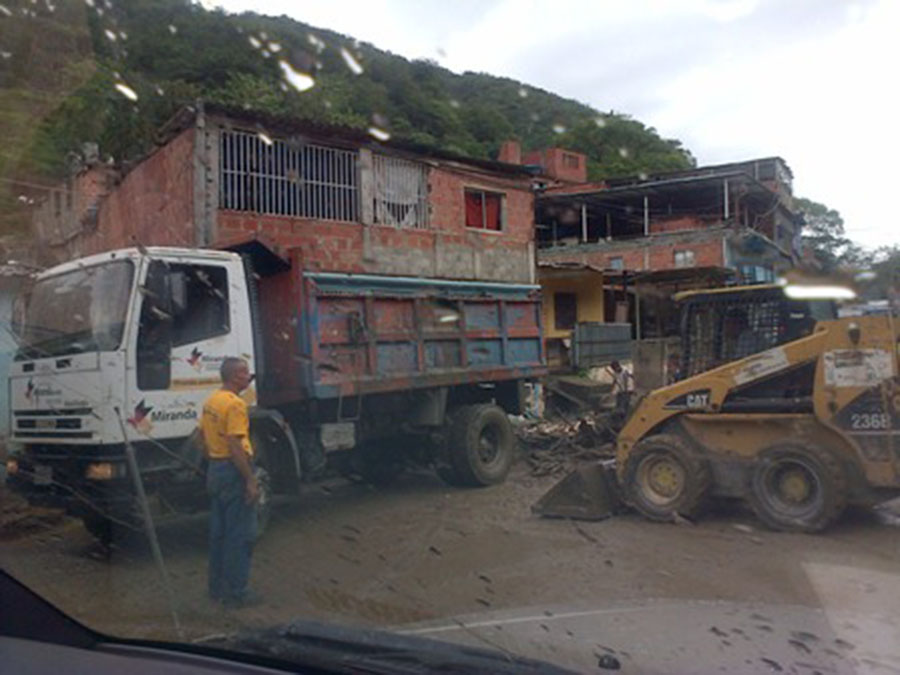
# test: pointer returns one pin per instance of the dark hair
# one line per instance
(229, 367)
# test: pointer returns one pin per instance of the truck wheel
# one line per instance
(798, 487)
(264, 456)
(481, 445)
(100, 527)
(664, 476)
(264, 503)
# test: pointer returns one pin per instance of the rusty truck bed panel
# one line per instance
(356, 334)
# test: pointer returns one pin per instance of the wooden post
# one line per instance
(584, 230)
(646, 216)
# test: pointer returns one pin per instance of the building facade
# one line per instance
(345, 201)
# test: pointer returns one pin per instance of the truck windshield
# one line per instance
(79, 311)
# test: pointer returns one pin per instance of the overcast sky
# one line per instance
(814, 81)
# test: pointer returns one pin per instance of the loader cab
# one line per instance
(719, 326)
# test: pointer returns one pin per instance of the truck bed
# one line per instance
(352, 334)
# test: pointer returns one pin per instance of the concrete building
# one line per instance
(347, 202)
(736, 217)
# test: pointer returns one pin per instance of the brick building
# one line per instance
(347, 202)
(737, 217)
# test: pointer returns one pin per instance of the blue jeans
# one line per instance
(232, 532)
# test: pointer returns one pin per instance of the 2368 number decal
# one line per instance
(870, 421)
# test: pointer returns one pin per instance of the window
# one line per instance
(484, 210)
(287, 178)
(684, 258)
(571, 161)
(565, 310)
(401, 192)
(616, 264)
(205, 312)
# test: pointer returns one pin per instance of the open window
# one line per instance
(401, 192)
(484, 210)
(182, 304)
(565, 310)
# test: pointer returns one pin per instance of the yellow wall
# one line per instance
(588, 289)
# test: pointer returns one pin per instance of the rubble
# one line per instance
(17, 518)
(555, 446)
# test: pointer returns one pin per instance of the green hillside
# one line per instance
(140, 61)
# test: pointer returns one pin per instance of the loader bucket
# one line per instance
(587, 493)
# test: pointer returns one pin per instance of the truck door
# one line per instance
(186, 328)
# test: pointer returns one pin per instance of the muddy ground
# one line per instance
(420, 553)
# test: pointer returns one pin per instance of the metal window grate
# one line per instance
(286, 178)
(401, 192)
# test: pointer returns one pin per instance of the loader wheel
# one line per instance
(481, 446)
(798, 487)
(263, 469)
(664, 476)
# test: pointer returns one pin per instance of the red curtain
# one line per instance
(473, 209)
(491, 211)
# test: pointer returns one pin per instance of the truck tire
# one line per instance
(99, 527)
(798, 487)
(481, 446)
(263, 465)
(665, 478)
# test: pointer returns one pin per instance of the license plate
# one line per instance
(43, 475)
(45, 424)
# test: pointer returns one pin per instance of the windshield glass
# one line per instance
(565, 330)
(78, 311)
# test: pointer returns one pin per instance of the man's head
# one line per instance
(616, 367)
(235, 374)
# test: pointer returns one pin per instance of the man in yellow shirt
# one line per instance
(232, 486)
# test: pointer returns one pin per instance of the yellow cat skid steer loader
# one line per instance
(780, 403)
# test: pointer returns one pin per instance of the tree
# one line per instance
(823, 233)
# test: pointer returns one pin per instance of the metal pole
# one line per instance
(584, 233)
(646, 216)
(725, 191)
(608, 226)
(148, 523)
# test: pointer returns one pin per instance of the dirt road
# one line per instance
(420, 553)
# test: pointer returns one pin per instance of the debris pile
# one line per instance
(17, 518)
(554, 447)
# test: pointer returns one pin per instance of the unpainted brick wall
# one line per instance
(645, 255)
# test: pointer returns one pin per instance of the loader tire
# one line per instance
(481, 446)
(798, 487)
(665, 478)
(264, 468)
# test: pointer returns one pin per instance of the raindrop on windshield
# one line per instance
(266, 53)
(315, 42)
(123, 35)
(172, 29)
(351, 62)
(600, 122)
(623, 152)
(255, 42)
(5, 10)
(559, 129)
(454, 103)
(379, 133)
(160, 90)
(274, 47)
(265, 138)
(523, 93)
(126, 91)
(642, 175)
(6, 55)
(89, 3)
(110, 35)
(299, 81)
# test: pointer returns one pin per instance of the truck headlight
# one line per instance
(102, 471)
(12, 467)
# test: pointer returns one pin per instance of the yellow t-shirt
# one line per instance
(224, 415)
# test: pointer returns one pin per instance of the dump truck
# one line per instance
(353, 372)
(778, 402)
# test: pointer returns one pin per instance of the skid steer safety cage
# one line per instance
(718, 328)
